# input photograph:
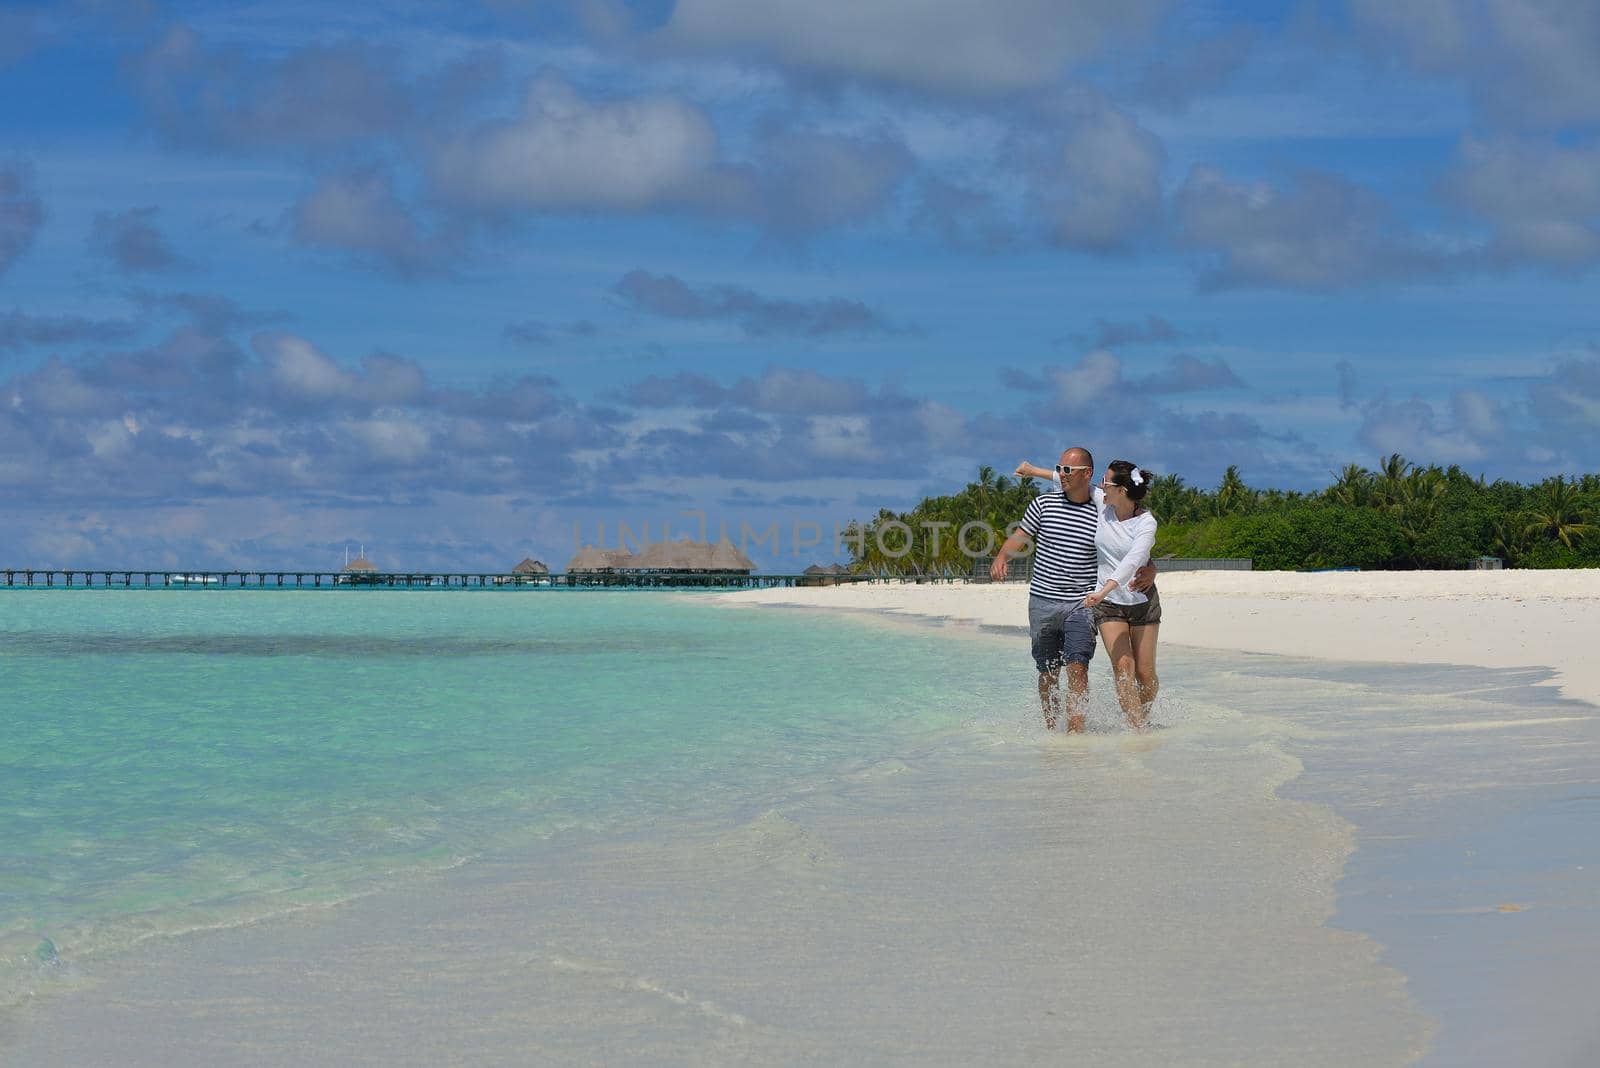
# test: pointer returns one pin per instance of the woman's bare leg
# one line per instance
(1119, 649)
(1144, 662)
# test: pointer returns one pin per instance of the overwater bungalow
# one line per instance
(529, 572)
(690, 557)
(357, 572)
(823, 574)
(590, 559)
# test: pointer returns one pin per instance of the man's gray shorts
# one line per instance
(1062, 632)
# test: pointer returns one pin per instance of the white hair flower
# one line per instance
(1136, 477)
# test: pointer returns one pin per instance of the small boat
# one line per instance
(197, 580)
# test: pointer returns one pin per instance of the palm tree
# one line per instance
(1510, 534)
(1232, 495)
(1167, 498)
(1352, 488)
(1558, 513)
(1392, 471)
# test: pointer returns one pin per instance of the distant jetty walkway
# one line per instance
(116, 578)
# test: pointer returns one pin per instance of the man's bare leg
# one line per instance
(1049, 696)
(1077, 696)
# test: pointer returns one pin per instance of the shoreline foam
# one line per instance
(1471, 795)
(1490, 619)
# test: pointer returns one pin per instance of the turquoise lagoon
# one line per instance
(182, 759)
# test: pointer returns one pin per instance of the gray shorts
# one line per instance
(1142, 614)
(1062, 631)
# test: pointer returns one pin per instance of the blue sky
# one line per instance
(449, 278)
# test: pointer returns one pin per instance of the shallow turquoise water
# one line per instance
(176, 759)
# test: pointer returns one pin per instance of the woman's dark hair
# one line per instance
(1123, 474)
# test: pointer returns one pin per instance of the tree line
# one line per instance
(1398, 516)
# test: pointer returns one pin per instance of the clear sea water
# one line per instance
(182, 759)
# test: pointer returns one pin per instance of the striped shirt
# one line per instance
(1064, 563)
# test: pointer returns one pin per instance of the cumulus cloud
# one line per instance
(1527, 62)
(130, 240)
(1540, 197)
(757, 315)
(944, 46)
(1099, 382)
(196, 418)
(801, 181)
(210, 312)
(21, 213)
(1094, 401)
(316, 99)
(1187, 374)
(1099, 187)
(1537, 425)
(19, 330)
(568, 152)
(1568, 401)
(359, 212)
(1154, 330)
(659, 152)
(1468, 431)
(1321, 232)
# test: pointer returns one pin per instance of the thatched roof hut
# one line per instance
(823, 574)
(724, 557)
(591, 558)
(530, 566)
(690, 556)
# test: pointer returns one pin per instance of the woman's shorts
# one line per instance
(1134, 615)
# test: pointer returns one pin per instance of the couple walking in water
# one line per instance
(1091, 573)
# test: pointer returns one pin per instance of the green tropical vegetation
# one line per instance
(1397, 516)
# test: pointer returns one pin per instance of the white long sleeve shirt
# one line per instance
(1122, 546)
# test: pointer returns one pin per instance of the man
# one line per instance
(1061, 526)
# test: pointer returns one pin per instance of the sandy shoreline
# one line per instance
(1505, 619)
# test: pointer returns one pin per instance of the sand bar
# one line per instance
(1491, 619)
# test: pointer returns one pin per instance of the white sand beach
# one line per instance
(1492, 619)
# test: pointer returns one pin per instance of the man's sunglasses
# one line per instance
(1067, 469)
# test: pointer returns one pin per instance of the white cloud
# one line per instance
(1087, 386)
(358, 211)
(1531, 62)
(569, 152)
(1103, 184)
(1318, 232)
(296, 365)
(948, 46)
(1541, 198)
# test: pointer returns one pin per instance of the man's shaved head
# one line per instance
(1077, 456)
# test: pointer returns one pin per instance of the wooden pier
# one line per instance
(118, 578)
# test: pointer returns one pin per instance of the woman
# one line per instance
(1128, 622)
